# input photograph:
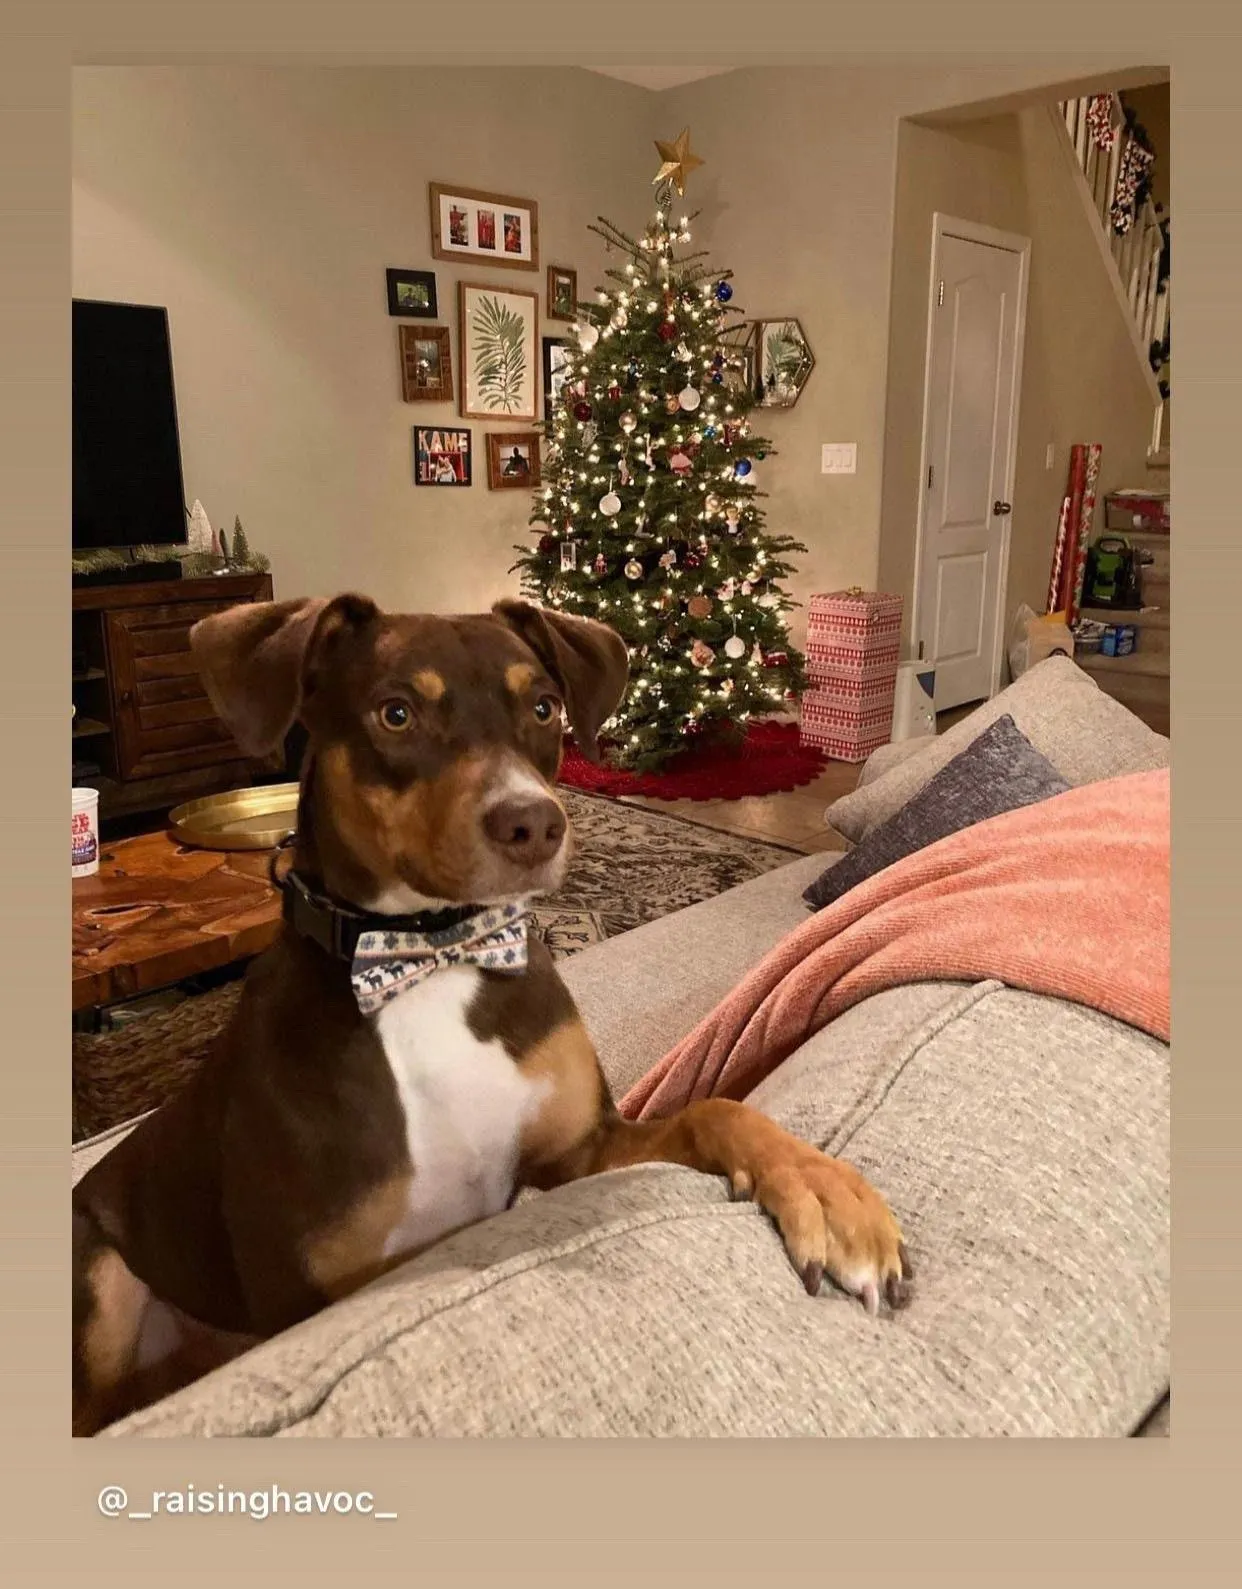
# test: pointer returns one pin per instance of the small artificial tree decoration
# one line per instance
(649, 515)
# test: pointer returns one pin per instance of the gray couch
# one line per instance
(1022, 1141)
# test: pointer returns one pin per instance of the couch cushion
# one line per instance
(999, 771)
(1085, 734)
(1023, 1144)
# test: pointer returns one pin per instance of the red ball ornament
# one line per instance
(546, 543)
(582, 411)
(667, 331)
(614, 391)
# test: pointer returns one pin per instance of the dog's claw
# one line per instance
(907, 1268)
(870, 1298)
(813, 1278)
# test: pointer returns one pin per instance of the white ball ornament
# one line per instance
(689, 399)
(735, 647)
(628, 422)
(610, 505)
(769, 599)
(588, 336)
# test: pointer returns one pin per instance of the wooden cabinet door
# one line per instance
(162, 719)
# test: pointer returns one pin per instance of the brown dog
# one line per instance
(403, 1058)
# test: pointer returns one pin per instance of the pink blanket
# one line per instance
(1069, 897)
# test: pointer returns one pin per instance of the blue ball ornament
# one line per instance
(723, 291)
(742, 468)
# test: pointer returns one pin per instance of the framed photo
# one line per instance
(513, 460)
(426, 364)
(558, 364)
(498, 342)
(441, 456)
(413, 293)
(562, 293)
(469, 224)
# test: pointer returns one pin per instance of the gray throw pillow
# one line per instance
(999, 771)
(1085, 734)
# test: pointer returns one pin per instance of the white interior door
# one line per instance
(970, 429)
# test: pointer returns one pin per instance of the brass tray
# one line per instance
(238, 819)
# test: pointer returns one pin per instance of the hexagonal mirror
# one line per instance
(783, 362)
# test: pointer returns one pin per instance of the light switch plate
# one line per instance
(840, 457)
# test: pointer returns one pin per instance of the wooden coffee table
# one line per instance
(157, 913)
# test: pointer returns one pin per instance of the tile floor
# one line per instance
(795, 818)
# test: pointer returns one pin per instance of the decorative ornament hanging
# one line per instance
(633, 569)
(620, 319)
(735, 647)
(747, 587)
(614, 391)
(725, 591)
(546, 544)
(683, 353)
(769, 599)
(776, 659)
(699, 606)
(688, 399)
(723, 292)
(631, 375)
(732, 520)
(701, 654)
(610, 504)
(694, 559)
(601, 563)
(711, 503)
(1100, 121)
(756, 656)
(680, 463)
(668, 559)
(667, 331)
(742, 468)
(588, 335)
(582, 410)
(671, 405)
(628, 422)
(623, 472)
(726, 687)
(589, 432)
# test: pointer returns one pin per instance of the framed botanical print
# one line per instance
(558, 363)
(426, 364)
(562, 293)
(412, 293)
(469, 224)
(498, 343)
(441, 456)
(513, 460)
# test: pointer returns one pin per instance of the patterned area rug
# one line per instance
(630, 866)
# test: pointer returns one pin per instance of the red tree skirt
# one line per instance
(770, 759)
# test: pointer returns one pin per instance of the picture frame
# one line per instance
(558, 362)
(782, 362)
(442, 456)
(513, 460)
(498, 346)
(412, 293)
(467, 223)
(562, 293)
(426, 364)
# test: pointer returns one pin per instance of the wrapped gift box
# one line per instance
(852, 647)
(1137, 510)
(846, 731)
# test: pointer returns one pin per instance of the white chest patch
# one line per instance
(465, 1105)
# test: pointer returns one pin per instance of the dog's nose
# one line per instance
(529, 831)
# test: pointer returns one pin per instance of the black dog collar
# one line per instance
(337, 927)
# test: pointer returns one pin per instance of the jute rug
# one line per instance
(630, 866)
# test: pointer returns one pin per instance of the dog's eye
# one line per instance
(546, 708)
(396, 716)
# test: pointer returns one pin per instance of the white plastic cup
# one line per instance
(85, 832)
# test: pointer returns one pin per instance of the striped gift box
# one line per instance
(857, 621)
(847, 730)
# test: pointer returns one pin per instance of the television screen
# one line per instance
(127, 483)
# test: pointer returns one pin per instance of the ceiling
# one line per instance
(658, 77)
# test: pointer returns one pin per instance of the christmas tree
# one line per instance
(649, 515)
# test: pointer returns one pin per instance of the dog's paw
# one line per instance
(833, 1222)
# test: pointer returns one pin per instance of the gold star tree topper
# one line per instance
(678, 162)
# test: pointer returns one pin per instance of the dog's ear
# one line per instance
(587, 659)
(255, 658)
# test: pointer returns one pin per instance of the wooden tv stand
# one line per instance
(143, 716)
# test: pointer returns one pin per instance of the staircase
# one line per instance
(1094, 137)
(1104, 159)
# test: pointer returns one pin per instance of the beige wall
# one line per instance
(262, 207)
(1081, 378)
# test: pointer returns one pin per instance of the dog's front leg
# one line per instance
(832, 1221)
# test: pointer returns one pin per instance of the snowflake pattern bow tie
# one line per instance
(385, 964)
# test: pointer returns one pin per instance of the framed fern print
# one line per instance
(499, 345)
